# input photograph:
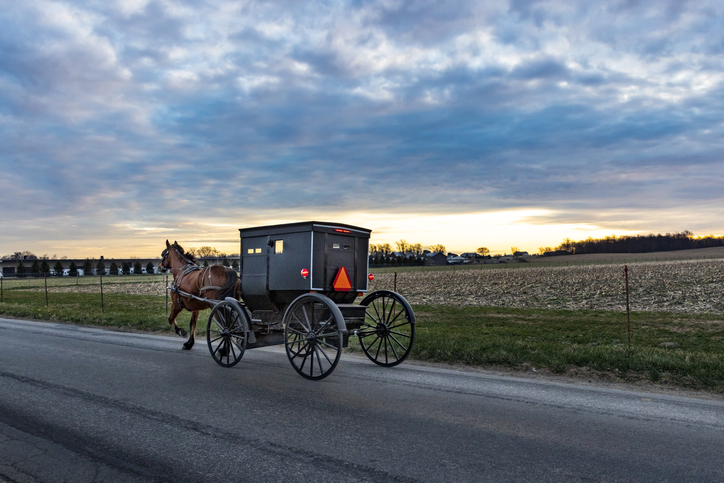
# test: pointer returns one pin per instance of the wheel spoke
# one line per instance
(392, 346)
(298, 332)
(324, 354)
(392, 321)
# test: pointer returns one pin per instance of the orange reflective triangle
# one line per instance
(341, 281)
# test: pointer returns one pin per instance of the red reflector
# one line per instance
(371, 277)
(305, 273)
(339, 230)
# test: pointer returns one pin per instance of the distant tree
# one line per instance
(87, 267)
(137, 267)
(438, 248)
(544, 250)
(416, 250)
(403, 247)
(235, 264)
(483, 251)
(513, 250)
(45, 267)
(35, 268)
(126, 268)
(114, 269)
(225, 261)
(149, 268)
(101, 267)
(20, 271)
(73, 269)
(58, 268)
(205, 252)
(206, 263)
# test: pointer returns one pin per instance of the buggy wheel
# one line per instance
(313, 335)
(226, 334)
(388, 331)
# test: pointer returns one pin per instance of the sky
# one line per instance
(463, 123)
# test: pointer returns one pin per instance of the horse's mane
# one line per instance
(180, 249)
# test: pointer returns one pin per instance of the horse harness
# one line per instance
(175, 286)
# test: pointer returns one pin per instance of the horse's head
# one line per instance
(165, 264)
(167, 259)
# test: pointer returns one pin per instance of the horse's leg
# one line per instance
(192, 330)
(175, 310)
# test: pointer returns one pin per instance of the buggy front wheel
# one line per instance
(226, 334)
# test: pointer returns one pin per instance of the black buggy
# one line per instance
(299, 283)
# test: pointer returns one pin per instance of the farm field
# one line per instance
(564, 319)
(684, 286)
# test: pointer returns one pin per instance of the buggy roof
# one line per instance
(304, 226)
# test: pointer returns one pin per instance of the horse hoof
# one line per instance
(187, 347)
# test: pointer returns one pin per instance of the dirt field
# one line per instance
(701, 253)
(687, 286)
(692, 284)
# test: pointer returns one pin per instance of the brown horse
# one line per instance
(192, 283)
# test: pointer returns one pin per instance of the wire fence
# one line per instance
(682, 286)
(156, 284)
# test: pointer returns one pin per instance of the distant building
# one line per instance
(435, 259)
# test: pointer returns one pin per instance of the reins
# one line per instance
(185, 270)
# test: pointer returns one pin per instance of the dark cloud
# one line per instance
(141, 112)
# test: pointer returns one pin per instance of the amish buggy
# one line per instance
(298, 287)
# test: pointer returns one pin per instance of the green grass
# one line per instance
(561, 341)
(574, 341)
(39, 282)
(122, 311)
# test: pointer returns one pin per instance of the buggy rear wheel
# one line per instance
(313, 335)
(226, 334)
(388, 331)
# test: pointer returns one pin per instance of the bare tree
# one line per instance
(438, 249)
(403, 247)
(483, 251)
(205, 252)
(416, 249)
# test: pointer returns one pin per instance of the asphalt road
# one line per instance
(83, 405)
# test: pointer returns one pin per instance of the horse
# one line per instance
(191, 284)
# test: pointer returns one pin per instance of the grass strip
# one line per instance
(574, 342)
(122, 311)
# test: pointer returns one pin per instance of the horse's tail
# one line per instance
(229, 287)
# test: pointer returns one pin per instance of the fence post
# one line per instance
(2, 294)
(395, 285)
(103, 308)
(628, 311)
(46, 290)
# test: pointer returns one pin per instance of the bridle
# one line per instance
(164, 256)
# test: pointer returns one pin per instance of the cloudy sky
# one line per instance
(491, 123)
